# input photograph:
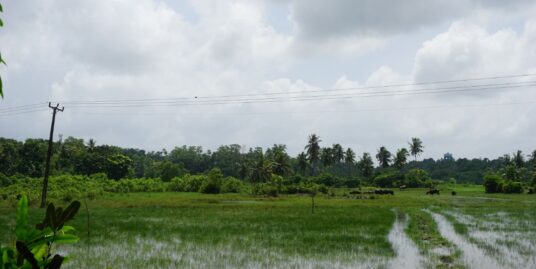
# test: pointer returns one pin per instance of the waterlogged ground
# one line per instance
(409, 230)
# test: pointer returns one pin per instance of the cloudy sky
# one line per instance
(165, 53)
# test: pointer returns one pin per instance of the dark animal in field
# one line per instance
(355, 192)
(432, 192)
(403, 187)
(382, 192)
(531, 191)
(453, 193)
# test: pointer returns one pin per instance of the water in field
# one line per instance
(407, 253)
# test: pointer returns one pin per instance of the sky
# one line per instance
(83, 53)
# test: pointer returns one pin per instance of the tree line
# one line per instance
(332, 163)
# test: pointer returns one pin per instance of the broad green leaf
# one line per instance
(66, 239)
(1, 9)
(67, 229)
(1, 23)
(22, 219)
(40, 252)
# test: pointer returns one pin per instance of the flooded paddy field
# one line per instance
(407, 230)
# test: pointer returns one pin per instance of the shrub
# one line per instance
(232, 185)
(416, 178)
(187, 183)
(513, 187)
(387, 179)
(493, 183)
(210, 186)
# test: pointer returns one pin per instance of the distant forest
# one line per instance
(331, 165)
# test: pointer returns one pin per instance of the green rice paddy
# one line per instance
(191, 230)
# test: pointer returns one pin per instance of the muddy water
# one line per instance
(407, 253)
(473, 256)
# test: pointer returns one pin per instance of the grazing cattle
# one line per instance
(432, 192)
(531, 190)
(403, 187)
(355, 192)
(453, 193)
(381, 192)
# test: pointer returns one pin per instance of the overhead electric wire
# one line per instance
(22, 112)
(464, 88)
(21, 107)
(434, 87)
(313, 91)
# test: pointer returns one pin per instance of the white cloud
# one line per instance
(83, 50)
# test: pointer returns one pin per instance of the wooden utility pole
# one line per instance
(49, 153)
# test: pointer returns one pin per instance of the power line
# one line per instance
(204, 113)
(22, 112)
(315, 91)
(21, 107)
(465, 88)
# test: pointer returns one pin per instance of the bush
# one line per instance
(187, 183)
(387, 179)
(493, 183)
(210, 186)
(266, 189)
(416, 178)
(232, 185)
(513, 187)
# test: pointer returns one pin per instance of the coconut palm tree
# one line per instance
(261, 170)
(401, 158)
(415, 147)
(365, 165)
(313, 151)
(338, 153)
(349, 156)
(518, 159)
(384, 157)
(326, 156)
(302, 162)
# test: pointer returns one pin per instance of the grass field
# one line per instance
(408, 230)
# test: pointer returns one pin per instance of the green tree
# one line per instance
(415, 147)
(366, 165)
(280, 160)
(313, 151)
(9, 156)
(261, 170)
(302, 162)
(228, 159)
(91, 144)
(326, 155)
(33, 153)
(118, 166)
(338, 153)
(349, 156)
(518, 159)
(384, 157)
(401, 158)
(167, 170)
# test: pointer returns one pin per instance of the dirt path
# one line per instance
(407, 253)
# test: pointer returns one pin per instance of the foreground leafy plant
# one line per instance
(33, 246)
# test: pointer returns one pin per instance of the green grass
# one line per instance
(168, 230)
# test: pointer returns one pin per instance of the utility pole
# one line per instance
(49, 153)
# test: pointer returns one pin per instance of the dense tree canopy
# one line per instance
(78, 157)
